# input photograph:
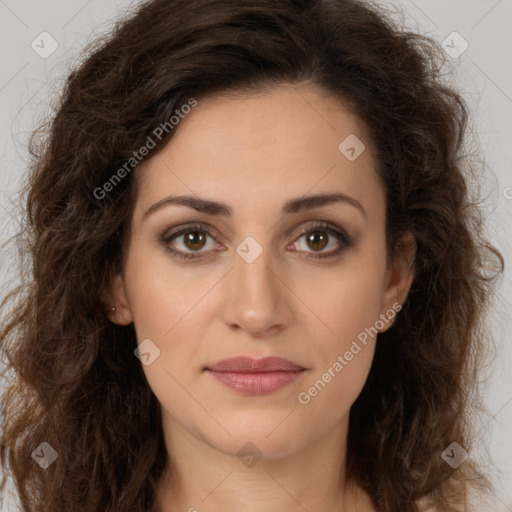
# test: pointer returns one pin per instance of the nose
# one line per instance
(257, 298)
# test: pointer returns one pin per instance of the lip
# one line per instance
(247, 364)
(255, 376)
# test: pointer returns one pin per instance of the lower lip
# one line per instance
(256, 383)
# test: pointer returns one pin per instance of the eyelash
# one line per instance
(340, 235)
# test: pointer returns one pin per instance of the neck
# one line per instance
(203, 478)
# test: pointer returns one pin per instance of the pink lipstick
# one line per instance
(255, 376)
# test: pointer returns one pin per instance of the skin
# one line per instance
(254, 152)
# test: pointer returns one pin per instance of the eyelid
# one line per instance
(330, 228)
(198, 226)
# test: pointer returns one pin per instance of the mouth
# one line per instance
(255, 376)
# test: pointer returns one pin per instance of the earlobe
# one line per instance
(116, 302)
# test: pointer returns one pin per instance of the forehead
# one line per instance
(274, 144)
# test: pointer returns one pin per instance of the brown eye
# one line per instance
(319, 237)
(194, 240)
(317, 240)
(183, 243)
(191, 242)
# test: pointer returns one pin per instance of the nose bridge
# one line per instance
(255, 299)
(252, 273)
(251, 248)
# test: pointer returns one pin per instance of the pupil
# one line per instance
(195, 240)
(191, 242)
(314, 236)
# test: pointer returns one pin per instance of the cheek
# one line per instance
(330, 393)
(167, 309)
(162, 295)
(348, 308)
(344, 352)
(346, 300)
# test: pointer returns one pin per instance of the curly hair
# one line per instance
(73, 381)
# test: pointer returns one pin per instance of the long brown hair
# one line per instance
(74, 382)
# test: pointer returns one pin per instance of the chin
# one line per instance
(269, 437)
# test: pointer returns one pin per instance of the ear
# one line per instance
(116, 302)
(398, 280)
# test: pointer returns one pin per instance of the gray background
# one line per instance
(30, 81)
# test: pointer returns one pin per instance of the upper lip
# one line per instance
(244, 364)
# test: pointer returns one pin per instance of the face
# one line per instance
(264, 271)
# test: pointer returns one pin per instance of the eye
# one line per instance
(191, 241)
(320, 236)
(193, 238)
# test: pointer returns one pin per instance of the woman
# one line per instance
(258, 275)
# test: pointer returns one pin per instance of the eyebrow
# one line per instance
(219, 209)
